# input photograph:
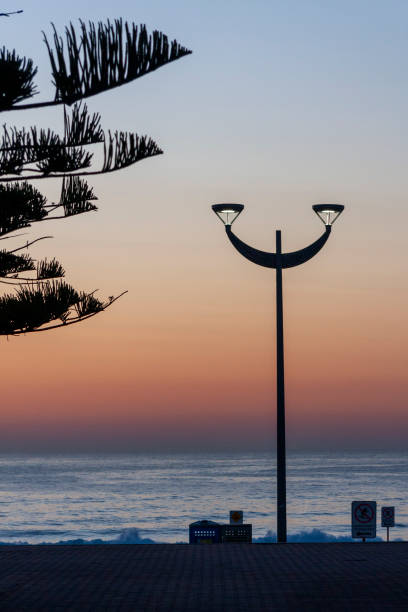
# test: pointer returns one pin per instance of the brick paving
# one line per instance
(221, 578)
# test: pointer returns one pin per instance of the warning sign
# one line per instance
(236, 517)
(363, 519)
(388, 516)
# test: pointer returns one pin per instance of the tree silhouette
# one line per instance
(97, 58)
(8, 13)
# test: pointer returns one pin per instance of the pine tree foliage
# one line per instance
(20, 205)
(49, 269)
(97, 58)
(65, 159)
(92, 60)
(17, 75)
(54, 156)
(32, 307)
(20, 147)
(14, 264)
(81, 128)
(124, 149)
(31, 144)
(76, 196)
(104, 56)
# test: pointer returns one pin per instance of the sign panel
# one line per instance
(388, 516)
(363, 519)
(236, 517)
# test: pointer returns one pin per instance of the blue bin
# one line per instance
(205, 532)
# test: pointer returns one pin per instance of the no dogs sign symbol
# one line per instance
(364, 519)
(364, 513)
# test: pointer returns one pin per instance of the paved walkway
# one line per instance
(222, 578)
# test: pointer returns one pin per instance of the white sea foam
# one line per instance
(315, 535)
(126, 536)
(132, 536)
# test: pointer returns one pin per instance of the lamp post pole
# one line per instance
(328, 213)
(280, 400)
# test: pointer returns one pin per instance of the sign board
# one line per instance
(363, 519)
(388, 516)
(236, 517)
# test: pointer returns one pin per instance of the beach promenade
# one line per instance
(223, 578)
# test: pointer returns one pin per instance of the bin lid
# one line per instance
(203, 523)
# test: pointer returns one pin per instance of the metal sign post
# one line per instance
(388, 518)
(364, 519)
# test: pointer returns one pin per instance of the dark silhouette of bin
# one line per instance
(205, 532)
(236, 533)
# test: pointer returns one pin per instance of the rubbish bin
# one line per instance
(236, 533)
(205, 532)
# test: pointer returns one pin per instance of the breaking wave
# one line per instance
(126, 536)
(132, 536)
(315, 535)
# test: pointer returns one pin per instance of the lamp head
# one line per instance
(227, 212)
(328, 213)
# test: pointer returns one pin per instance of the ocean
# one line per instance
(153, 497)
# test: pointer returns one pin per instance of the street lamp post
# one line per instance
(328, 213)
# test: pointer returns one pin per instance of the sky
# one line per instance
(283, 104)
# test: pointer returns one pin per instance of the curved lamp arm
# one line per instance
(268, 260)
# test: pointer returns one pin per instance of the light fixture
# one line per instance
(228, 212)
(328, 213)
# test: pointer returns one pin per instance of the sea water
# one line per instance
(154, 497)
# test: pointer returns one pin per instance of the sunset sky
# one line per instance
(283, 104)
